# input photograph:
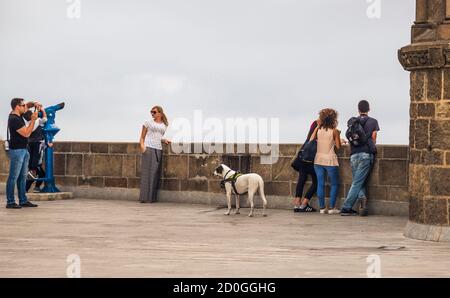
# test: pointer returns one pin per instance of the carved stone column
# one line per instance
(428, 60)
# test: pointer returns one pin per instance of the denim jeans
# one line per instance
(18, 170)
(333, 174)
(361, 165)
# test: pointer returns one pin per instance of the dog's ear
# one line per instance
(219, 169)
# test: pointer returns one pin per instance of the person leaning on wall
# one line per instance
(18, 134)
(150, 142)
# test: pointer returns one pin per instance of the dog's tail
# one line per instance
(261, 192)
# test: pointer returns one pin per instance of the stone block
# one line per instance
(91, 181)
(108, 165)
(419, 176)
(412, 134)
(138, 165)
(426, 110)
(4, 161)
(3, 177)
(417, 86)
(393, 172)
(433, 157)
(447, 84)
(345, 171)
(440, 134)
(434, 84)
(400, 152)
(99, 147)
(447, 158)
(289, 150)
(398, 194)
(133, 182)
(440, 181)
(66, 180)
(413, 111)
(74, 164)
(214, 187)
(129, 166)
(378, 193)
(62, 147)
(282, 170)
(81, 147)
(264, 170)
(175, 166)
(170, 184)
(59, 164)
(436, 211)
(416, 210)
(194, 185)
(421, 134)
(116, 182)
(416, 156)
(117, 148)
(88, 164)
(133, 148)
(443, 109)
(277, 188)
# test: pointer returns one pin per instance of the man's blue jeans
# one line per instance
(18, 170)
(333, 174)
(361, 165)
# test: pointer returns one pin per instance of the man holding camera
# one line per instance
(18, 134)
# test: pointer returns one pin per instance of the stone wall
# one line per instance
(115, 167)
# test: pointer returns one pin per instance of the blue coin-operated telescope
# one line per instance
(50, 130)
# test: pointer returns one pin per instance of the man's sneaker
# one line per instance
(363, 208)
(28, 204)
(324, 211)
(31, 175)
(348, 212)
(334, 211)
(297, 209)
(13, 206)
(307, 208)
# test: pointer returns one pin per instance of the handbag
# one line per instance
(309, 151)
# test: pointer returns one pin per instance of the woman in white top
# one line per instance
(151, 147)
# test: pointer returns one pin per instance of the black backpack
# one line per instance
(355, 133)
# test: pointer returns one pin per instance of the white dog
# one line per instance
(239, 184)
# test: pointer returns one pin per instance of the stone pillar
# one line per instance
(428, 60)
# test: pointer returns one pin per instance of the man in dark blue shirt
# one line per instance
(361, 159)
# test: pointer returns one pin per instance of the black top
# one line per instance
(16, 141)
(37, 135)
(370, 125)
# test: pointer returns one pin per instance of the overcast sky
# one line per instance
(230, 58)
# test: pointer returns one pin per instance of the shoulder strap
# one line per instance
(7, 131)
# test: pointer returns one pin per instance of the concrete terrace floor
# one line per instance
(128, 239)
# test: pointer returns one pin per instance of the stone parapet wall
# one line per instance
(117, 166)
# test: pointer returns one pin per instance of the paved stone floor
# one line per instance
(127, 239)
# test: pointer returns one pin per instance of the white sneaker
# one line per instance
(334, 211)
(324, 211)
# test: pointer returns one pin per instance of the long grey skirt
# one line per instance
(151, 164)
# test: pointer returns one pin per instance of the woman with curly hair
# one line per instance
(326, 161)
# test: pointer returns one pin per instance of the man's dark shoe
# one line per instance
(13, 206)
(348, 212)
(28, 204)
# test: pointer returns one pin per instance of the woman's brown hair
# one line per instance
(163, 116)
(328, 117)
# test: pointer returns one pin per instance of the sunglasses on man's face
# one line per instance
(154, 112)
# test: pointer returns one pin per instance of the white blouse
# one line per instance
(155, 133)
